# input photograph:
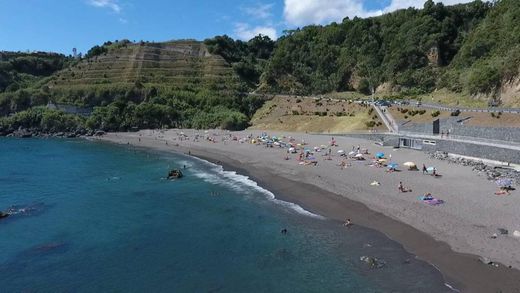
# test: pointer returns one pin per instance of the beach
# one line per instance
(452, 236)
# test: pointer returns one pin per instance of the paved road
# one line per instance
(451, 109)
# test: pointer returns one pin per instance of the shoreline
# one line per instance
(461, 271)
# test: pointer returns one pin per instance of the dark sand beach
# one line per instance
(450, 245)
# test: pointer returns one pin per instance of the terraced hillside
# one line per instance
(124, 66)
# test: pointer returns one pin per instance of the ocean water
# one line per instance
(94, 217)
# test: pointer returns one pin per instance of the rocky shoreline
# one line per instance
(492, 173)
(36, 132)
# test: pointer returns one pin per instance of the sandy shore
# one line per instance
(450, 236)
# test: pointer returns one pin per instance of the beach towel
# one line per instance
(431, 201)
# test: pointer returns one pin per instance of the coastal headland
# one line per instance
(461, 237)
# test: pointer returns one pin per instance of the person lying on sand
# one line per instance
(348, 223)
(502, 191)
(427, 196)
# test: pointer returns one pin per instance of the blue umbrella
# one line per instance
(380, 155)
(392, 165)
(430, 169)
(504, 182)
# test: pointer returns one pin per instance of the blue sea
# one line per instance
(94, 217)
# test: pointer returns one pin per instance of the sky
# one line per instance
(60, 25)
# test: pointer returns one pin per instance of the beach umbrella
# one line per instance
(292, 150)
(359, 156)
(351, 153)
(380, 155)
(504, 182)
(410, 164)
(392, 166)
(276, 143)
(323, 146)
(430, 169)
(341, 152)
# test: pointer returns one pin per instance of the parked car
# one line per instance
(383, 103)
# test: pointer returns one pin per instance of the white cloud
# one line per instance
(111, 4)
(260, 10)
(303, 12)
(245, 32)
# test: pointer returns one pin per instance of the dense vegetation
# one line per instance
(248, 58)
(490, 55)
(141, 85)
(22, 76)
(408, 49)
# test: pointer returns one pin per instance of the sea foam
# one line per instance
(244, 184)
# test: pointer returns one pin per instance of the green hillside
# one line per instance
(139, 85)
(472, 49)
(22, 76)
(467, 54)
(116, 68)
(408, 49)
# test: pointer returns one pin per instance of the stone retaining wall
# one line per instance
(454, 147)
(457, 129)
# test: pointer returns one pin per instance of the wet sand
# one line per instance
(450, 236)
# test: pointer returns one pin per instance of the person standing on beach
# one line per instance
(424, 169)
(400, 187)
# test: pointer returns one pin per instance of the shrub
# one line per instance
(370, 123)
(455, 113)
(435, 113)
